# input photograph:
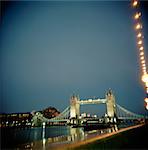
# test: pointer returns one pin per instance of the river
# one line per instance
(28, 137)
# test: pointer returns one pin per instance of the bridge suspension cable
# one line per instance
(123, 113)
(62, 116)
(140, 44)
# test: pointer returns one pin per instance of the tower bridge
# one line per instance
(72, 113)
(109, 100)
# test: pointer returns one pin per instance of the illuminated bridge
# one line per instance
(71, 115)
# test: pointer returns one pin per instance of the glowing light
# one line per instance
(140, 42)
(139, 35)
(143, 65)
(146, 100)
(135, 3)
(144, 72)
(137, 15)
(145, 78)
(141, 48)
(142, 57)
(144, 68)
(143, 61)
(146, 84)
(138, 26)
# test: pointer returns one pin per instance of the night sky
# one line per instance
(50, 50)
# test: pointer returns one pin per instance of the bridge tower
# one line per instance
(110, 106)
(74, 107)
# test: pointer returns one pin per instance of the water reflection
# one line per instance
(75, 134)
(43, 135)
(36, 134)
(44, 143)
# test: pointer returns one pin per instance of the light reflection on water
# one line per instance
(75, 134)
(53, 135)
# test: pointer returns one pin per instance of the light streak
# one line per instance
(138, 28)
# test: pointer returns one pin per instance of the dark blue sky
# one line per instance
(49, 50)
